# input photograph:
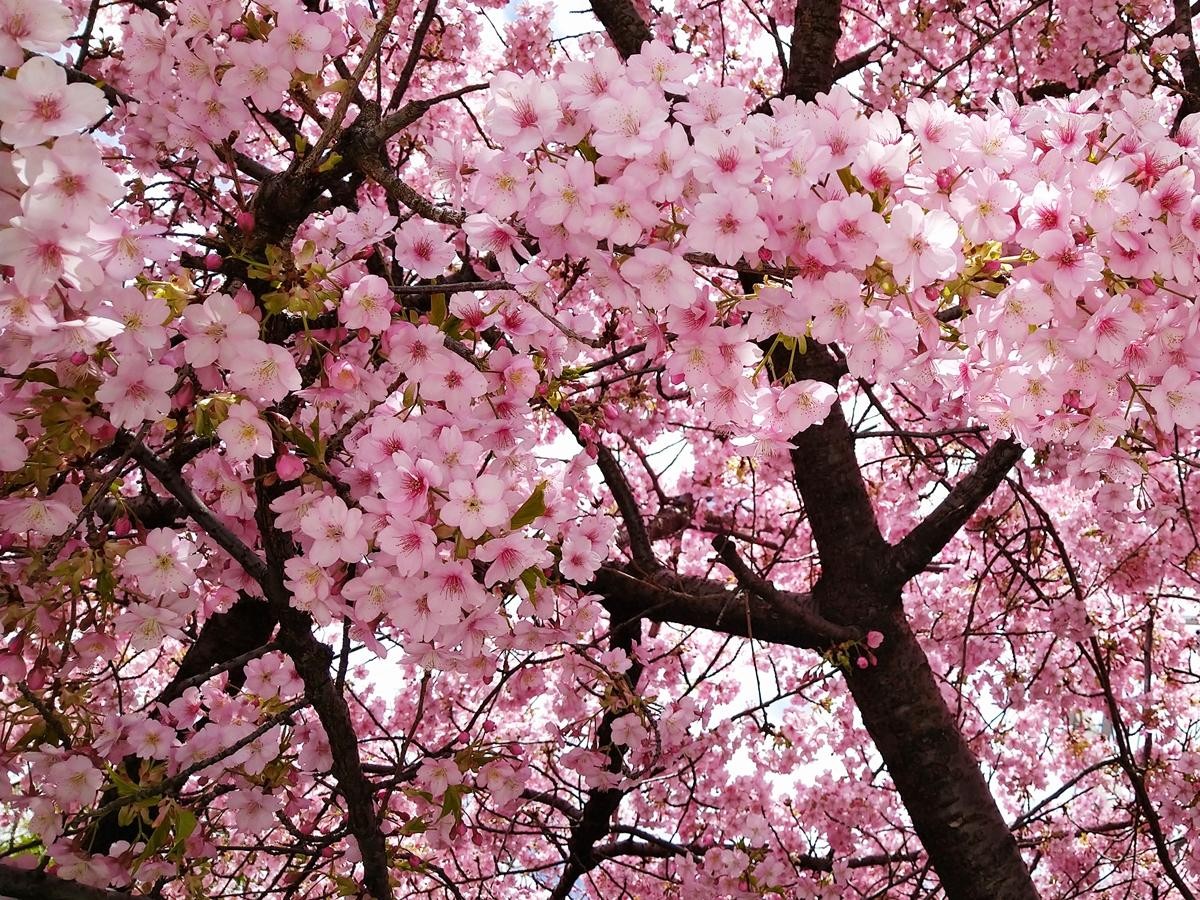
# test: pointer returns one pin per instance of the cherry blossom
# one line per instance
(39, 103)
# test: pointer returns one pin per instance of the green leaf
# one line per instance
(437, 309)
(531, 577)
(415, 825)
(531, 508)
(276, 301)
(41, 376)
(185, 824)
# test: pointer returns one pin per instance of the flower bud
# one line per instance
(212, 262)
(342, 374)
(184, 396)
(288, 466)
(245, 220)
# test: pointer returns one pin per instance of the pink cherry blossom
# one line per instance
(165, 563)
(137, 392)
(727, 225)
(245, 434)
(39, 104)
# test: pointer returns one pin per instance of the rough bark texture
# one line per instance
(1189, 64)
(972, 850)
(817, 25)
(28, 884)
(624, 26)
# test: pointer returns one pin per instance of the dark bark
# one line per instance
(923, 543)
(245, 627)
(817, 25)
(312, 659)
(624, 26)
(1189, 65)
(696, 602)
(595, 819)
(969, 843)
(29, 884)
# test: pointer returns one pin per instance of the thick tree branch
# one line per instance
(30, 884)
(173, 481)
(411, 111)
(399, 190)
(1189, 64)
(923, 543)
(226, 641)
(810, 620)
(817, 25)
(625, 27)
(312, 659)
(594, 820)
(627, 504)
(691, 601)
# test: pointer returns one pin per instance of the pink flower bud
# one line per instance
(764, 254)
(238, 31)
(288, 466)
(245, 220)
(591, 451)
(342, 374)
(932, 292)
(945, 178)
(212, 262)
(677, 378)
(464, 737)
(78, 358)
(1147, 286)
(861, 662)
(184, 397)
(587, 433)
(991, 267)
(874, 640)
(122, 526)
(489, 726)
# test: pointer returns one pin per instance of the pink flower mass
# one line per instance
(709, 450)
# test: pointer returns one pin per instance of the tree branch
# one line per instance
(691, 601)
(1189, 64)
(31, 884)
(923, 543)
(173, 481)
(312, 659)
(816, 27)
(809, 618)
(625, 27)
(635, 526)
(401, 191)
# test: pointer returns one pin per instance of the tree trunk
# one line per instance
(955, 816)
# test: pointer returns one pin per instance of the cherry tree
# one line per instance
(708, 449)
